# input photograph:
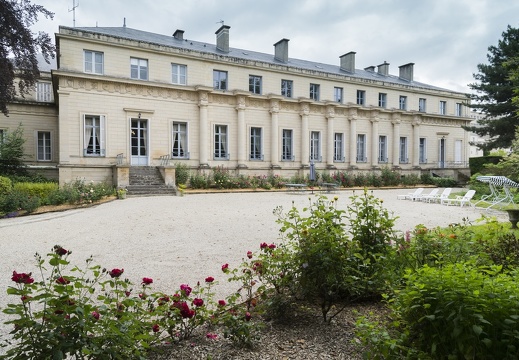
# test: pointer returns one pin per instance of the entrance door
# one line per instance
(139, 142)
(442, 153)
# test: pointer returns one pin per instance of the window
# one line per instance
(382, 149)
(94, 62)
(287, 151)
(403, 159)
(179, 74)
(422, 157)
(382, 100)
(219, 80)
(421, 105)
(315, 146)
(94, 135)
(220, 142)
(458, 151)
(286, 88)
(255, 144)
(443, 107)
(361, 148)
(314, 92)
(43, 152)
(338, 147)
(361, 97)
(402, 103)
(139, 69)
(43, 92)
(458, 109)
(337, 94)
(255, 84)
(180, 138)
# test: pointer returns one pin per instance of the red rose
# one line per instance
(163, 300)
(209, 279)
(62, 281)
(225, 268)
(143, 296)
(22, 278)
(198, 302)
(60, 251)
(249, 254)
(95, 315)
(263, 245)
(186, 289)
(248, 316)
(156, 328)
(127, 293)
(221, 302)
(272, 246)
(147, 281)
(211, 336)
(115, 273)
(185, 311)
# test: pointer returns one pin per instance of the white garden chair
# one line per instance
(433, 193)
(410, 196)
(439, 197)
(460, 200)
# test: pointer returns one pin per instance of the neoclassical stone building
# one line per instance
(135, 98)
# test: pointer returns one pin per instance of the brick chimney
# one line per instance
(383, 69)
(179, 34)
(406, 72)
(281, 50)
(222, 38)
(348, 62)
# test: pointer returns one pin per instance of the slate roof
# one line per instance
(165, 40)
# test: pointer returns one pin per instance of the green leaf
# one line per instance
(477, 329)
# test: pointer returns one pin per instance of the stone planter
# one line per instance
(513, 217)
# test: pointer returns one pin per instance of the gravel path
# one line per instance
(178, 239)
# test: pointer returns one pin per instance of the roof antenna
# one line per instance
(74, 6)
(220, 22)
(124, 22)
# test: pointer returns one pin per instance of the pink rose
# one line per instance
(95, 315)
(115, 273)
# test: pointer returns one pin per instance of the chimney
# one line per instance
(348, 62)
(179, 34)
(281, 50)
(222, 38)
(406, 72)
(383, 69)
(370, 68)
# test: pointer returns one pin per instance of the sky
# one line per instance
(445, 39)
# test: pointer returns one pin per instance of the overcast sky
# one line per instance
(446, 39)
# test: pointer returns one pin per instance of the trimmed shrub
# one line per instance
(16, 201)
(40, 190)
(6, 185)
(198, 181)
(444, 182)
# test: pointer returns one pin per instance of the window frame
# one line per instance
(44, 91)
(218, 82)
(287, 87)
(403, 150)
(338, 147)
(256, 143)
(338, 94)
(287, 145)
(140, 67)
(362, 156)
(45, 149)
(255, 84)
(314, 91)
(361, 97)
(402, 102)
(422, 104)
(422, 150)
(178, 74)
(221, 142)
(98, 150)
(183, 137)
(93, 62)
(382, 149)
(315, 146)
(459, 109)
(443, 107)
(382, 100)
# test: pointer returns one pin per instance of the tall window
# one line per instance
(443, 107)
(422, 157)
(286, 88)
(361, 97)
(458, 151)
(421, 105)
(337, 94)
(220, 142)
(338, 147)
(314, 92)
(220, 80)
(382, 149)
(94, 135)
(382, 100)
(94, 62)
(139, 68)
(255, 144)
(315, 146)
(287, 144)
(361, 148)
(404, 159)
(402, 102)
(179, 149)
(458, 109)
(43, 92)
(179, 74)
(44, 146)
(255, 84)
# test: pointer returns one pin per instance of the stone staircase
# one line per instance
(147, 181)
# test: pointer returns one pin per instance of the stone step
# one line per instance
(149, 190)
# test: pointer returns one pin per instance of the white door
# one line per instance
(139, 142)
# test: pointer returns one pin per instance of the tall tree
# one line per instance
(494, 92)
(19, 48)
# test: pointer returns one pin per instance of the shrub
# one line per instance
(389, 177)
(222, 178)
(16, 201)
(343, 178)
(6, 185)
(181, 173)
(39, 190)
(276, 181)
(360, 179)
(444, 182)
(198, 181)
(410, 180)
(426, 179)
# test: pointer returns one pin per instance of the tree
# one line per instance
(19, 48)
(494, 92)
(12, 152)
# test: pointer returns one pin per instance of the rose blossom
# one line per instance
(22, 278)
(115, 273)
(248, 316)
(198, 302)
(272, 246)
(95, 315)
(225, 267)
(209, 279)
(263, 245)
(60, 251)
(147, 281)
(211, 336)
(249, 254)
(186, 289)
(63, 281)
(221, 302)
(156, 328)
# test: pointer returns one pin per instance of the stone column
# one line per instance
(374, 141)
(396, 141)
(330, 140)
(415, 155)
(203, 135)
(305, 141)
(274, 133)
(64, 128)
(242, 147)
(353, 138)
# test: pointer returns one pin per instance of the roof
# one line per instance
(165, 40)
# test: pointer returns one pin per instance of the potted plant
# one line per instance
(121, 193)
(180, 189)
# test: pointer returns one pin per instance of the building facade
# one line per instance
(127, 98)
